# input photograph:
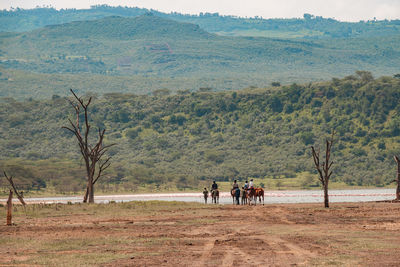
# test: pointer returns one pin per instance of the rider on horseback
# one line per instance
(214, 193)
(235, 192)
(214, 186)
(251, 184)
(235, 185)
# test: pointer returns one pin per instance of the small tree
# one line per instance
(397, 178)
(92, 154)
(324, 168)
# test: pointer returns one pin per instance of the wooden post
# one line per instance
(9, 208)
(397, 178)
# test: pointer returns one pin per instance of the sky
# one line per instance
(344, 10)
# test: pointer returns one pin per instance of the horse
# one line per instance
(251, 195)
(233, 192)
(214, 196)
(244, 197)
(259, 194)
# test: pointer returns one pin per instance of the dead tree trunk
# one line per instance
(324, 168)
(92, 154)
(397, 178)
(9, 208)
(14, 188)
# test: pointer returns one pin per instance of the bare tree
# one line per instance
(92, 154)
(324, 168)
(14, 188)
(398, 178)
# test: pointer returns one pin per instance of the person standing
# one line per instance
(205, 193)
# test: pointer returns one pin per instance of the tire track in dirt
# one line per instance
(235, 255)
(271, 250)
(207, 252)
(243, 241)
(288, 253)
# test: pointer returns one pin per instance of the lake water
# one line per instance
(306, 196)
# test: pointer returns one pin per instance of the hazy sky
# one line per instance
(348, 10)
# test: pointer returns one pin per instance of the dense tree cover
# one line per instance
(186, 139)
(309, 26)
(148, 53)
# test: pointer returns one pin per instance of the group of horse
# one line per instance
(248, 196)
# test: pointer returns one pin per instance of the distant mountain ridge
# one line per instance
(144, 26)
(314, 27)
(155, 49)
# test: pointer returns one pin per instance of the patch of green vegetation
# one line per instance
(74, 259)
(258, 133)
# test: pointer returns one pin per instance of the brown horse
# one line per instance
(233, 195)
(259, 194)
(214, 196)
(251, 195)
(244, 197)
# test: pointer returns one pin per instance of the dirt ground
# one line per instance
(181, 234)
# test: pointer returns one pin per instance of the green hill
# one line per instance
(114, 27)
(155, 49)
(188, 139)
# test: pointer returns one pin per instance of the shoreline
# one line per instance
(271, 197)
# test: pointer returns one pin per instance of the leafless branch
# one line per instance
(91, 153)
(11, 182)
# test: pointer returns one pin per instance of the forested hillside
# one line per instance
(147, 53)
(309, 26)
(187, 139)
